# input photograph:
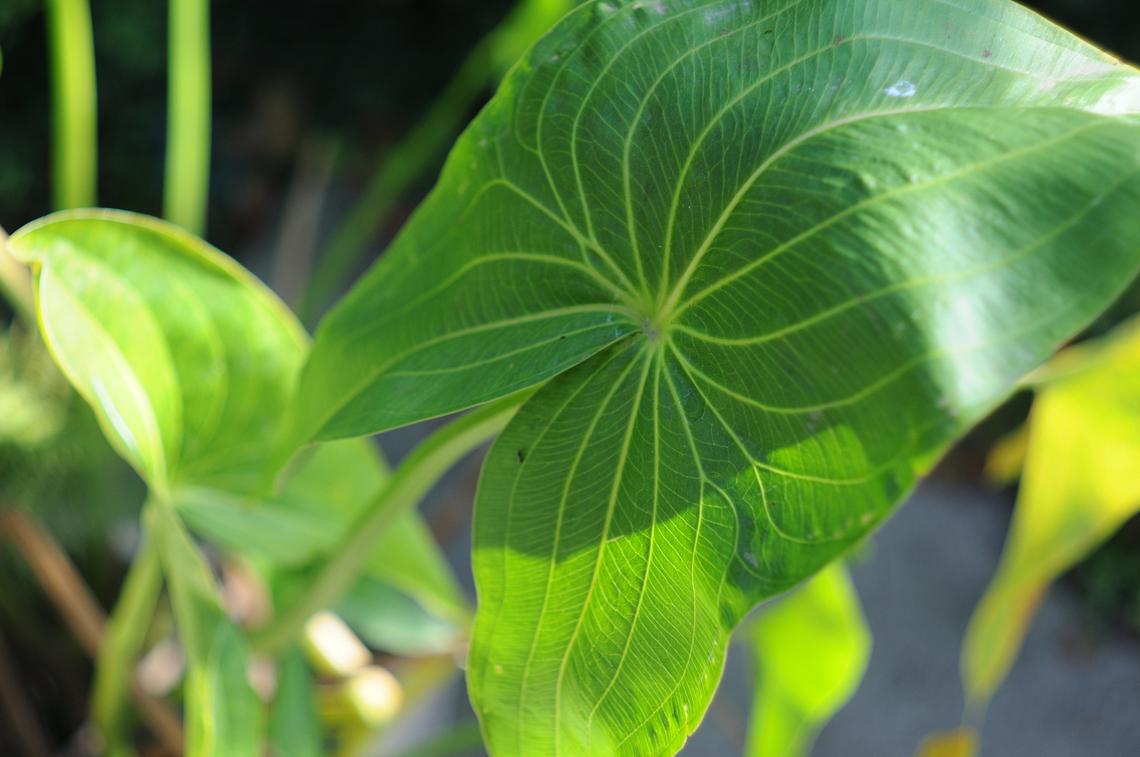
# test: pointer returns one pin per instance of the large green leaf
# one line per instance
(1081, 482)
(811, 652)
(774, 256)
(188, 360)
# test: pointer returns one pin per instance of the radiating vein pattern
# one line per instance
(772, 257)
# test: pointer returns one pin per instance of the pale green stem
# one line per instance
(72, 54)
(125, 634)
(405, 164)
(188, 115)
(417, 474)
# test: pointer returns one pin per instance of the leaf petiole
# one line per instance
(415, 476)
(123, 640)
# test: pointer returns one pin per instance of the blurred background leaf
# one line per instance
(1079, 485)
(811, 651)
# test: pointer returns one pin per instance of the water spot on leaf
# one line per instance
(901, 88)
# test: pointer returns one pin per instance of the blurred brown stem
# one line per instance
(82, 614)
(14, 705)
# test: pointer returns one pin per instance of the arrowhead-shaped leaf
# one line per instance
(775, 257)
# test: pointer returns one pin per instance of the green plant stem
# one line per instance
(417, 474)
(72, 54)
(125, 634)
(16, 285)
(407, 162)
(188, 115)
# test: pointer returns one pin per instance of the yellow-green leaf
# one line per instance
(188, 360)
(811, 651)
(1081, 482)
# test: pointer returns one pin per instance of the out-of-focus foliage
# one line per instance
(294, 730)
(223, 714)
(50, 447)
(313, 514)
(74, 117)
(1081, 482)
(526, 22)
(811, 651)
(189, 363)
(960, 743)
(33, 396)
